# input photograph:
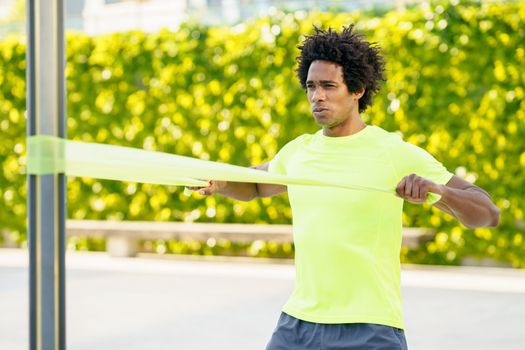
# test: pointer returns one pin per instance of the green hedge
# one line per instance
(455, 87)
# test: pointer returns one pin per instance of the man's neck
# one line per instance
(350, 127)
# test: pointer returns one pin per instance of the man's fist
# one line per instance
(414, 189)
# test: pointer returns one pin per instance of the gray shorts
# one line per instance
(294, 334)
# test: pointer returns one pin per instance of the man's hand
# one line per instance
(242, 191)
(213, 187)
(414, 189)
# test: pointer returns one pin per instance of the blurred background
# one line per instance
(214, 79)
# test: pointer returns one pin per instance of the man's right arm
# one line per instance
(243, 191)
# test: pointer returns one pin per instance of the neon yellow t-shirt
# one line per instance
(347, 242)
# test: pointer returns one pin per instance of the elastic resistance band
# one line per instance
(54, 155)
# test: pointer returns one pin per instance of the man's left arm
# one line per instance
(469, 204)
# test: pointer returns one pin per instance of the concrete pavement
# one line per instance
(132, 304)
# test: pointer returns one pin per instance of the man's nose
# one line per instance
(318, 95)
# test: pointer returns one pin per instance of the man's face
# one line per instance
(330, 100)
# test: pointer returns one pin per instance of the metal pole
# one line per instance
(46, 194)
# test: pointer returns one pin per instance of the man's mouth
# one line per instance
(319, 111)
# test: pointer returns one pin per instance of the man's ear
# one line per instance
(358, 94)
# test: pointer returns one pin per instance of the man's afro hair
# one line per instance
(362, 62)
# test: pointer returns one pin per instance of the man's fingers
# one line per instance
(423, 191)
(416, 187)
(408, 185)
(207, 191)
(412, 188)
(203, 189)
(400, 189)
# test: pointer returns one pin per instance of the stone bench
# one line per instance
(122, 237)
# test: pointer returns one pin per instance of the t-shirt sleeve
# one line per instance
(279, 162)
(410, 159)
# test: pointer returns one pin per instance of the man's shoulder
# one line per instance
(299, 140)
(403, 151)
(395, 147)
(386, 138)
(292, 146)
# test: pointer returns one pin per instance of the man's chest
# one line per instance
(345, 169)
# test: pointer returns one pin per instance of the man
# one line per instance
(347, 291)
